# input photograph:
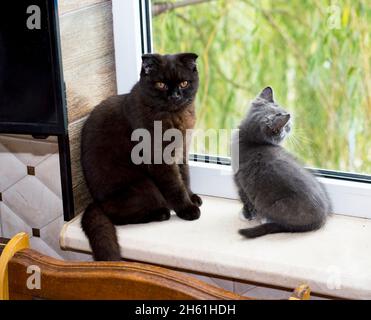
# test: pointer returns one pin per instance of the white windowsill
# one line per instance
(348, 198)
(335, 256)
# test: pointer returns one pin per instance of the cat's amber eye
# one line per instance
(160, 85)
(183, 84)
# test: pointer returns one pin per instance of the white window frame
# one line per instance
(348, 197)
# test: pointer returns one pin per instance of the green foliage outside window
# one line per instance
(315, 54)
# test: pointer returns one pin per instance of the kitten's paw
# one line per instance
(248, 213)
(161, 214)
(196, 199)
(191, 212)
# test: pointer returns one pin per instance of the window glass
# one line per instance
(315, 54)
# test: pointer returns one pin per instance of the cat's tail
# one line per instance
(271, 227)
(262, 230)
(101, 233)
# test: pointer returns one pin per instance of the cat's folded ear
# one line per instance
(188, 59)
(267, 94)
(149, 62)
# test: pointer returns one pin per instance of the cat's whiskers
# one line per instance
(295, 141)
(301, 135)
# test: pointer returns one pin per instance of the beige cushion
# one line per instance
(334, 261)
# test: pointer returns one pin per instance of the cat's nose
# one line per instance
(175, 96)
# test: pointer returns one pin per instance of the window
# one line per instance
(318, 63)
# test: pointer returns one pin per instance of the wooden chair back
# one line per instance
(32, 275)
(102, 280)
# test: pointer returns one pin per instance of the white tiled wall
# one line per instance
(32, 203)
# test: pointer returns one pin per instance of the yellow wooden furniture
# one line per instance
(17, 243)
(301, 293)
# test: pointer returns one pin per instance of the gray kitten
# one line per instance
(272, 185)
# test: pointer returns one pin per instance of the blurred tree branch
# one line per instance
(215, 63)
(161, 7)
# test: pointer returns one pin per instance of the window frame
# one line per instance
(132, 27)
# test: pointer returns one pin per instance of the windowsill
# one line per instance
(335, 256)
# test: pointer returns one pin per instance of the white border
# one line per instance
(127, 40)
(348, 197)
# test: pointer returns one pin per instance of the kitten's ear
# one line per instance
(189, 60)
(267, 94)
(279, 121)
(149, 62)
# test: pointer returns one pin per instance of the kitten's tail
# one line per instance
(271, 227)
(262, 230)
(101, 234)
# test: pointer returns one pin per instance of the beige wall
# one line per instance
(30, 189)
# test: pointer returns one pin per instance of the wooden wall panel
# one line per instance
(88, 58)
(80, 192)
(66, 6)
(89, 72)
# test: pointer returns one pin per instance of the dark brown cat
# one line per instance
(126, 193)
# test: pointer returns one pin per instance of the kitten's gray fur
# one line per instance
(271, 183)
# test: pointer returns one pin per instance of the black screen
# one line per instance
(29, 67)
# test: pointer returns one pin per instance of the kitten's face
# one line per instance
(169, 82)
(267, 121)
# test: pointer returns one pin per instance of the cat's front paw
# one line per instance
(161, 214)
(196, 199)
(249, 213)
(191, 212)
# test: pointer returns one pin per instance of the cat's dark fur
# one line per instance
(125, 193)
(271, 183)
